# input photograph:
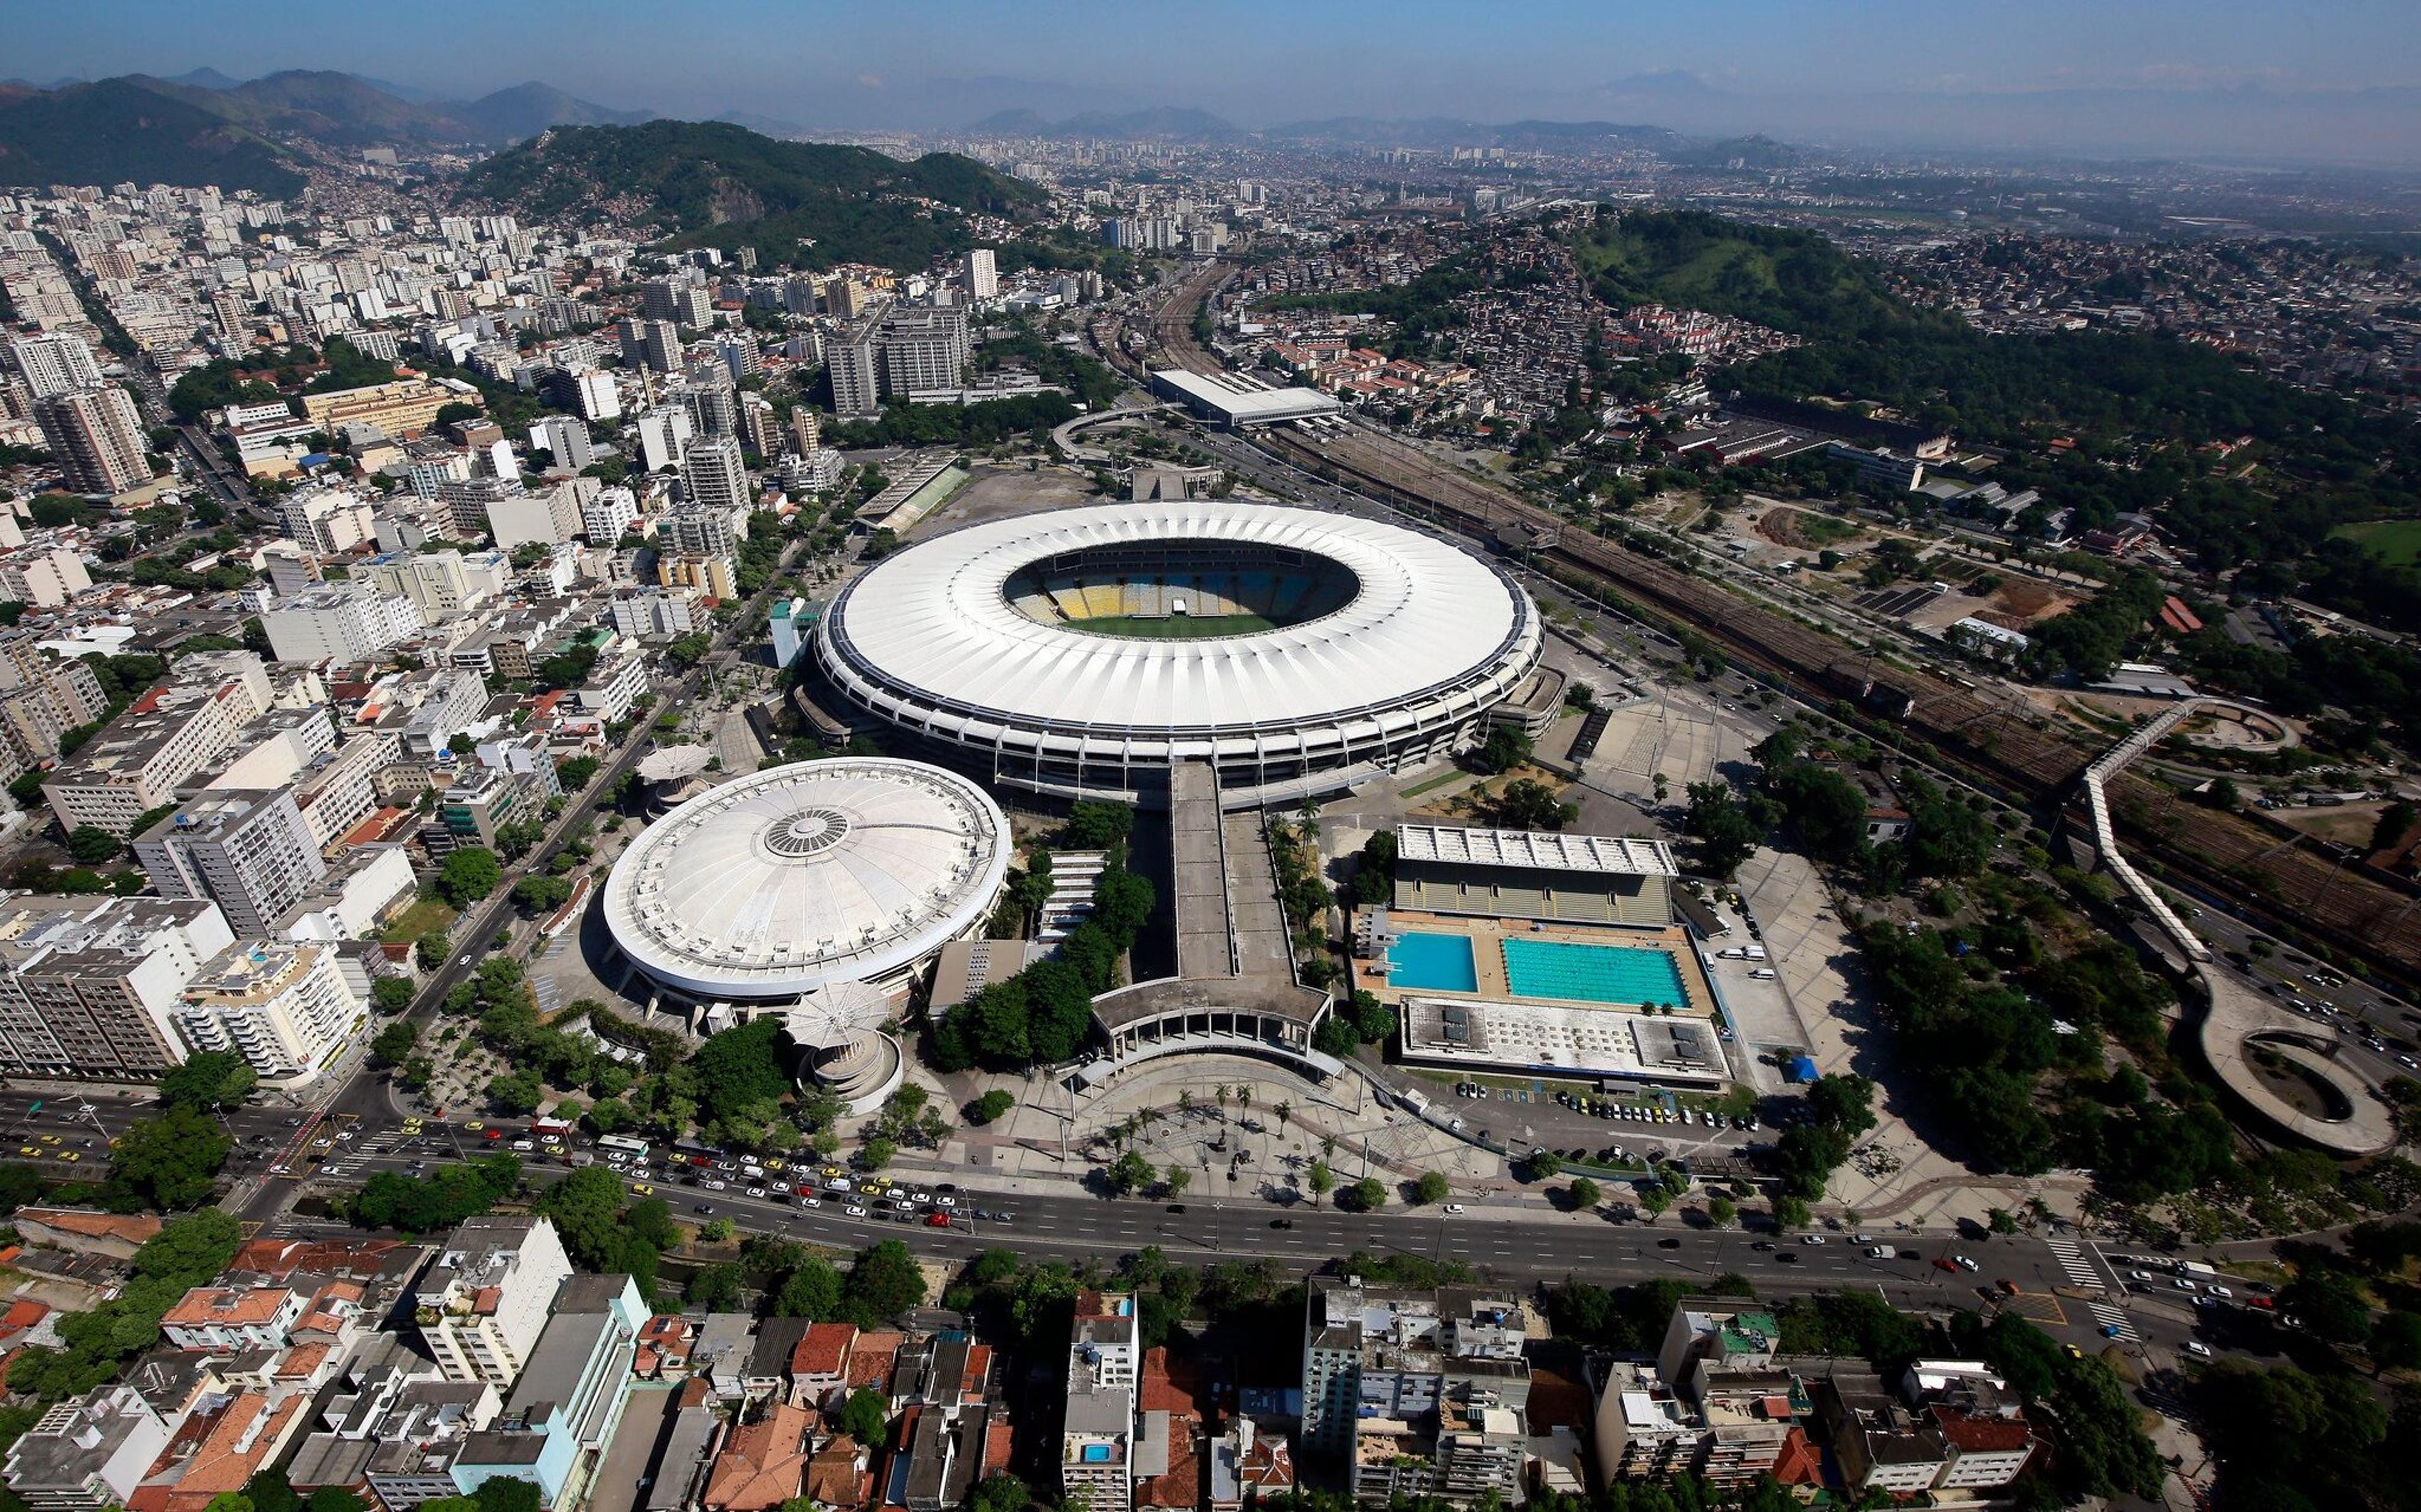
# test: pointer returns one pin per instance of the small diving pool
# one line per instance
(1432, 963)
(1620, 974)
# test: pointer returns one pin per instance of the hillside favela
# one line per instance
(1091, 757)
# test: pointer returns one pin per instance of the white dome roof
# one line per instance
(935, 623)
(808, 875)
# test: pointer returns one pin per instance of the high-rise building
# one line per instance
(328, 522)
(664, 437)
(341, 622)
(286, 1008)
(547, 517)
(136, 764)
(1097, 1436)
(713, 407)
(97, 436)
(40, 700)
(247, 850)
(758, 430)
(1420, 1392)
(714, 480)
(806, 429)
(603, 518)
(854, 361)
(54, 364)
(482, 1306)
(844, 298)
(91, 985)
(678, 301)
(924, 350)
(465, 502)
(981, 275)
(565, 437)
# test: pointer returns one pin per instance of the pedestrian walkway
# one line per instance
(2114, 1323)
(2078, 1266)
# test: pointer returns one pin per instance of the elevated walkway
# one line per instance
(1234, 989)
(2237, 1020)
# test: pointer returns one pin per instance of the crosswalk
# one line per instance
(2113, 1322)
(2075, 1264)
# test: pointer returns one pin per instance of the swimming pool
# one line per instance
(1592, 973)
(1432, 962)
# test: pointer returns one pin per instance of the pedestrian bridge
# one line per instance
(2238, 1022)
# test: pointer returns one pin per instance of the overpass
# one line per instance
(2238, 1022)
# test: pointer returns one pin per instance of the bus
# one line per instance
(559, 1128)
(635, 1148)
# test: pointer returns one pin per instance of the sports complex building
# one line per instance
(817, 890)
(1083, 652)
(1536, 954)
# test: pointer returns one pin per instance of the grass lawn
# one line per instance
(2397, 542)
(427, 916)
(1174, 628)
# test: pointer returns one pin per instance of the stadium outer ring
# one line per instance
(928, 643)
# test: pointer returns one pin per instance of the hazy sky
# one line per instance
(1799, 64)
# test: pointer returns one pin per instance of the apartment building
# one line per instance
(1420, 1392)
(247, 850)
(90, 1453)
(91, 987)
(405, 407)
(570, 1397)
(607, 514)
(482, 1307)
(1097, 1460)
(544, 519)
(40, 700)
(439, 582)
(327, 521)
(97, 437)
(348, 622)
(43, 576)
(285, 1007)
(136, 764)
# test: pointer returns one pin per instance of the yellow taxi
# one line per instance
(52, 1139)
(475, 1126)
(27, 1150)
(69, 1155)
(641, 1189)
(776, 1165)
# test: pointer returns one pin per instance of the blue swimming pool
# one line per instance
(1432, 963)
(1592, 973)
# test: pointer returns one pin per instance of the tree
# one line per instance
(394, 1044)
(876, 1153)
(1504, 749)
(1130, 1173)
(883, 1283)
(2330, 1302)
(1430, 1187)
(468, 875)
(1545, 1165)
(716, 1231)
(1721, 1211)
(989, 1108)
(1318, 1181)
(91, 845)
(716, 1289)
(517, 1094)
(865, 1417)
(542, 894)
(811, 1289)
(1176, 1178)
(166, 1164)
(391, 995)
(209, 1080)
(1096, 825)
(1584, 1194)
(1366, 1195)
(1726, 832)
(999, 1491)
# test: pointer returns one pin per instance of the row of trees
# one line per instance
(1042, 1015)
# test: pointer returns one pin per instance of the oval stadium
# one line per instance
(1081, 652)
(812, 875)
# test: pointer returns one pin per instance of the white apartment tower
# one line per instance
(483, 1304)
(97, 436)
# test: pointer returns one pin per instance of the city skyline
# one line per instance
(2251, 79)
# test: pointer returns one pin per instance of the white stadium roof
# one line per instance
(806, 876)
(1535, 850)
(1234, 399)
(932, 626)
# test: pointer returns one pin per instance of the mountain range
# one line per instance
(715, 183)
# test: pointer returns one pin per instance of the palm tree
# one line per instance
(1185, 1100)
(1220, 1092)
(1245, 1098)
(1285, 1109)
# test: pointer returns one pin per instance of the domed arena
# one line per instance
(1081, 652)
(807, 878)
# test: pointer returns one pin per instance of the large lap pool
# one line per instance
(1592, 973)
(1432, 963)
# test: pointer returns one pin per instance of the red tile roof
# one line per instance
(824, 1350)
(1982, 1435)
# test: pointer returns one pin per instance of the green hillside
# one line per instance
(116, 131)
(713, 183)
(1794, 281)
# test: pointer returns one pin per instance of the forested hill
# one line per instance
(116, 131)
(1793, 281)
(713, 183)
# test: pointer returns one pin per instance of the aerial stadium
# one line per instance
(1079, 653)
(815, 891)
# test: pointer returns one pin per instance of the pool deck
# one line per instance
(1488, 936)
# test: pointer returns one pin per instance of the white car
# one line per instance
(524, 1144)
(2218, 1291)
(1967, 1264)
(1879, 1252)
(2183, 1284)
(715, 1184)
(811, 1202)
(945, 1200)
(854, 1210)
(1811, 1239)
(2139, 1275)
(2198, 1348)
(756, 1191)
(1453, 1208)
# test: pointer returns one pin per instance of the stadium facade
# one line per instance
(1082, 652)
